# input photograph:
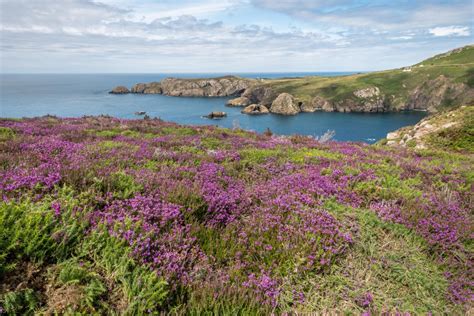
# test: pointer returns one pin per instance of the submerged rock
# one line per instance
(120, 90)
(255, 109)
(285, 104)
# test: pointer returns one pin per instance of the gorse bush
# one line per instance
(110, 216)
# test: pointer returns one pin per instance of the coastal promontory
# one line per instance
(431, 85)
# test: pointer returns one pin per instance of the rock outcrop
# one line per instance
(368, 100)
(433, 93)
(434, 126)
(147, 88)
(366, 93)
(285, 104)
(214, 115)
(255, 109)
(260, 94)
(240, 101)
(317, 104)
(120, 90)
(214, 87)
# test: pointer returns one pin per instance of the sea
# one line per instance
(76, 95)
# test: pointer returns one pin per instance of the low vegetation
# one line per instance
(109, 216)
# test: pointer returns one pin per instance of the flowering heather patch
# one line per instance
(230, 221)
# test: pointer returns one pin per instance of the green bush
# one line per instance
(6, 133)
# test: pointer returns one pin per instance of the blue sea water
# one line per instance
(75, 95)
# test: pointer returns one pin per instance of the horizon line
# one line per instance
(185, 73)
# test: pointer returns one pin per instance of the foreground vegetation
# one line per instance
(108, 216)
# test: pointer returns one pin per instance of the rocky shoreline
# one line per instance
(428, 86)
(258, 98)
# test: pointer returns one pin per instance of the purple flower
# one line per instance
(56, 206)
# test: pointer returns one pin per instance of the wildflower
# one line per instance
(56, 206)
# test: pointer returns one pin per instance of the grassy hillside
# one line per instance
(110, 216)
(397, 85)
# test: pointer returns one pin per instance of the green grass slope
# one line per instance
(456, 67)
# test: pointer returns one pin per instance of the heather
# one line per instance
(110, 216)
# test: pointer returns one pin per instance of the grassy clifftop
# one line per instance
(110, 216)
(452, 74)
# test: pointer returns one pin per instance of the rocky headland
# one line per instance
(207, 87)
(431, 85)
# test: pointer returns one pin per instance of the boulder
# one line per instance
(120, 90)
(240, 101)
(317, 104)
(255, 109)
(285, 104)
(393, 136)
(260, 95)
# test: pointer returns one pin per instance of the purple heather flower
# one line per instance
(56, 206)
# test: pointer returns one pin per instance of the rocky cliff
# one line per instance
(208, 87)
(453, 129)
(214, 87)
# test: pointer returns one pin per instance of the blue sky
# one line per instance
(85, 36)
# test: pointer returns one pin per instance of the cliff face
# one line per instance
(214, 87)
(432, 94)
(209, 87)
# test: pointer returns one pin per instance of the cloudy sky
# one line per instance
(88, 36)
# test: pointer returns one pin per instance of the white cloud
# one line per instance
(86, 19)
(452, 30)
(147, 36)
(393, 15)
(402, 37)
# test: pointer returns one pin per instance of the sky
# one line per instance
(227, 36)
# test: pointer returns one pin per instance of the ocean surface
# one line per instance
(87, 94)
